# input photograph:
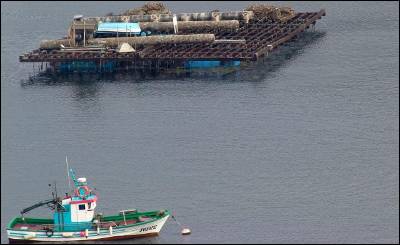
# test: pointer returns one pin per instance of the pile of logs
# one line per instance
(148, 9)
(268, 11)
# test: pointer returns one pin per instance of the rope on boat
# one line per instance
(176, 220)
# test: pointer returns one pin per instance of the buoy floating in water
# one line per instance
(186, 231)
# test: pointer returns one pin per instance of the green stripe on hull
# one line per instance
(118, 233)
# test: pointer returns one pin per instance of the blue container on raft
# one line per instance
(121, 27)
(87, 66)
(210, 63)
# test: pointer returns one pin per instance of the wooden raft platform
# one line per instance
(250, 42)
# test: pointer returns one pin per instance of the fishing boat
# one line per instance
(75, 220)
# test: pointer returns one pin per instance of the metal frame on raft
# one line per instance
(253, 40)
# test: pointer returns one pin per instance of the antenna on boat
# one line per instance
(69, 180)
(55, 188)
(56, 204)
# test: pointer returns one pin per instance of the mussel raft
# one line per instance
(152, 38)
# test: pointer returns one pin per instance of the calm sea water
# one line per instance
(301, 148)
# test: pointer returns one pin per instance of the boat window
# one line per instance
(82, 207)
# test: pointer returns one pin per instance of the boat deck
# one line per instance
(30, 227)
(103, 225)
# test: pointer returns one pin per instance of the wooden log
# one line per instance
(56, 44)
(151, 40)
(202, 16)
(235, 41)
(189, 25)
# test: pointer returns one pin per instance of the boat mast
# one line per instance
(69, 180)
(76, 183)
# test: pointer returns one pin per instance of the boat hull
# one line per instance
(151, 228)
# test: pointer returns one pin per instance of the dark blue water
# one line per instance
(300, 148)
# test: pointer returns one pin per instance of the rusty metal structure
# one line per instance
(253, 39)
